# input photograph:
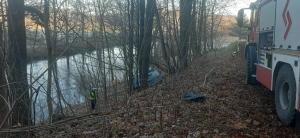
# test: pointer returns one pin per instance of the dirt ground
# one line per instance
(232, 108)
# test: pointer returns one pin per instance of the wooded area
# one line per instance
(118, 41)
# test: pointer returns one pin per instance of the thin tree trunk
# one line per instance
(141, 39)
(162, 41)
(203, 8)
(54, 25)
(49, 46)
(212, 26)
(103, 51)
(130, 52)
(82, 26)
(109, 58)
(205, 31)
(193, 29)
(185, 22)
(5, 44)
(55, 72)
(3, 96)
(67, 38)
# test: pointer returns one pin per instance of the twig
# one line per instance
(207, 75)
(4, 99)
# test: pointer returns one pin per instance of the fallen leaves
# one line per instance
(216, 131)
(239, 126)
(231, 107)
(256, 123)
(109, 112)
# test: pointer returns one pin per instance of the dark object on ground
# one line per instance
(194, 97)
(153, 78)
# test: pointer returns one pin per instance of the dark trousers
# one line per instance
(93, 102)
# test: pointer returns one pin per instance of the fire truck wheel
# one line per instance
(251, 68)
(285, 95)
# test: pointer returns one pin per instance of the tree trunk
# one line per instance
(147, 43)
(67, 39)
(54, 25)
(205, 32)
(130, 52)
(3, 95)
(185, 22)
(82, 26)
(55, 72)
(203, 8)
(5, 44)
(49, 47)
(193, 29)
(162, 41)
(212, 26)
(18, 59)
(141, 38)
(101, 21)
(109, 59)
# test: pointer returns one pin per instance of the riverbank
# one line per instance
(40, 53)
(231, 109)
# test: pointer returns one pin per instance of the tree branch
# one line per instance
(14, 103)
(33, 10)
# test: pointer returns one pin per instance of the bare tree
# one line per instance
(3, 92)
(49, 47)
(203, 8)
(147, 43)
(18, 59)
(185, 23)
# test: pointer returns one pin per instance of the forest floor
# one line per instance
(232, 108)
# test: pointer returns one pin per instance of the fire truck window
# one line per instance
(254, 12)
(257, 19)
(254, 15)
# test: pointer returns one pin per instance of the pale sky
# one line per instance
(242, 4)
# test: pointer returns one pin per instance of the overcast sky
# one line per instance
(241, 4)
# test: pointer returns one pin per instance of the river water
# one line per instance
(69, 75)
(80, 71)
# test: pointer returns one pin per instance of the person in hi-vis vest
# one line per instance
(93, 98)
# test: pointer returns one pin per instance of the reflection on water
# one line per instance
(73, 72)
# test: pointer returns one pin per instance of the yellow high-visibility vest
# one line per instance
(93, 95)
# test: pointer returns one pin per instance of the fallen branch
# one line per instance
(207, 76)
(99, 115)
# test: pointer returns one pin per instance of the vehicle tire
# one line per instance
(251, 58)
(285, 95)
(249, 72)
(246, 51)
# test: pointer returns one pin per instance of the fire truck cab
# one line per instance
(273, 53)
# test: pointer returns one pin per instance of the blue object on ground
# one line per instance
(153, 78)
(194, 97)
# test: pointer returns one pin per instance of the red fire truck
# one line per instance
(273, 53)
